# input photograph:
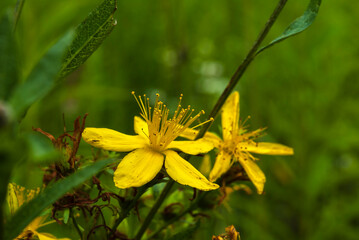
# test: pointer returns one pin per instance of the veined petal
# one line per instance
(112, 140)
(267, 148)
(254, 173)
(230, 116)
(191, 134)
(221, 166)
(141, 127)
(184, 173)
(138, 168)
(192, 147)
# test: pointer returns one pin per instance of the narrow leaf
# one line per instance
(89, 36)
(32, 209)
(42, 78)
(299, 25)
(8, 57)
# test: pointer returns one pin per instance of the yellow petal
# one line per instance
(221, 166)
(112, 140)
(254, 173)
(206, 165)
(230, 116)
(191, 134)
(141, 127)
(12, 198)
(267, 148)
(192, 147)
(138, 168)
(36, 223)
(184, 173)
(47, 236)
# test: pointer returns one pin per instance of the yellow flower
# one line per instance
(150, 149)
(16, 197)
(238, 144)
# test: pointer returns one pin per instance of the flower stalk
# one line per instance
(243, 66)
(222, 99)
(154, 209)
(125, 211)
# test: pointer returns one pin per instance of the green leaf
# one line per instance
(8, 57)
(66, 215)
(299, 25)
(42, 78)
(32, 209)
(89, 36)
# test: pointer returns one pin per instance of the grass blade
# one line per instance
(8, 57)
(42, 78)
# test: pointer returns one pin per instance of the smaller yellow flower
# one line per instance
(151, 148)
(16, 197)
(238, 144)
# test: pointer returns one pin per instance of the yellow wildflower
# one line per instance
(150, 149)
(238, 144)
(16, 197)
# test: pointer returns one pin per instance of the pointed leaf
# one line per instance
(299, 25)
(42, 78)
(8, 60)
(89, 36)
(29, 211)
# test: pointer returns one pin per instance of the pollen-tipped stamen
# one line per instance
(162, 129)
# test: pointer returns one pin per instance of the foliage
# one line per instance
(304, 91)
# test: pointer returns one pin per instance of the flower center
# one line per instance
(239, 143)
(162, 129)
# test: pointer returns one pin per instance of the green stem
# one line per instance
(75, 224)
(232, 83)
(243, 66)
(18, 9)
(125, 211)
(154, 209)
(190, 208)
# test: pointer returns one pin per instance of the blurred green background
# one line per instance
(305, 90)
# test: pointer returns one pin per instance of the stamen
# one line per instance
(198, 125)
(163, 129)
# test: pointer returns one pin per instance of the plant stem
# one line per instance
(232, 83)
(154, 209)
(128, 208)
(229, 88)
(18, 9)
(75, 224)
(190, 208)
(243, 66)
